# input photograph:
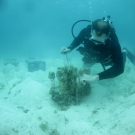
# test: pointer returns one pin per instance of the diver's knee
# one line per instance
(124, 51)
(87, 65)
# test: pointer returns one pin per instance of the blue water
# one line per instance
(36, 28)
(41, 27)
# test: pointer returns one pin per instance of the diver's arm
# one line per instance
(78, 40)
(118, 64)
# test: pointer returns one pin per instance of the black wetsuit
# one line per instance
(106, 54)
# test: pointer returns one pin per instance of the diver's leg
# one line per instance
(124, 57)
(87, 62)
(87, 65)
(130, 56)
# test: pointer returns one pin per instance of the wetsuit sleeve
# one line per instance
(118, 64)
(78, 40)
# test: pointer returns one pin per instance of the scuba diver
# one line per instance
(101, 45)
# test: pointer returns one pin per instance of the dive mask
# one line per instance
(97, 38)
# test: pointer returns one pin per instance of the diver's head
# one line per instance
(100, 30)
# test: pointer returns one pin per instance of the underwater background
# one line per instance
(42, 27)
(35, 30)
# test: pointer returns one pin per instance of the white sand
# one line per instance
(26, 105)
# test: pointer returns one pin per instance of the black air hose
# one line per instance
(75, 24)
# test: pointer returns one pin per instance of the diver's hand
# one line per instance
(89, 78)
(65, 50)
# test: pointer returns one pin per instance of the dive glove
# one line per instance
(65, 50)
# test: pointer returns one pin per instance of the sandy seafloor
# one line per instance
(26, 105)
